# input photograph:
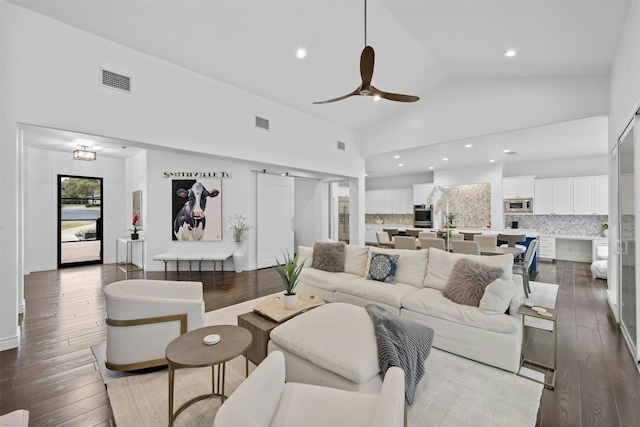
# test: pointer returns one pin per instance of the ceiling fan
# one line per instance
(366, 72)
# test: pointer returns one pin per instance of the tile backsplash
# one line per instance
(397, 219)
(568, 225)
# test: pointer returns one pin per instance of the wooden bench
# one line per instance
(190, 257)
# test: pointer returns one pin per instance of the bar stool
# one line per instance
(512, 239)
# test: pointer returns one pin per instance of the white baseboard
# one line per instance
(9, 343)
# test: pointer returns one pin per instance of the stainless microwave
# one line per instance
(518, 205)
(422, 216)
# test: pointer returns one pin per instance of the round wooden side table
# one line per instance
(190, 351)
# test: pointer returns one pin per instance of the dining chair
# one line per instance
(468, 235)
(390, 232)
(428, 242)
(522, 267)
(383, 239)
(512, 240)
(469, 247)
(412, 233)
(429, 234)
(489, 240)
(457, 236)
(405, 242)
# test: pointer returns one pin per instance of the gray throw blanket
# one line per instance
(402, 343)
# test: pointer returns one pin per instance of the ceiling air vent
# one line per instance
(115, 81)
(511, 153)
(262, 123)
(341, 145)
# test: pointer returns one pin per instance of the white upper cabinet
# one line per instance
(571, 196)
(396, 201)
(601, 195)
(421, 193)
(518, 187)
(543, 197)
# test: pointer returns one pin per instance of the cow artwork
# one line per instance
(190, 210)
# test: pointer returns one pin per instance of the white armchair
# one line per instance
(264, 399)
(143, 316)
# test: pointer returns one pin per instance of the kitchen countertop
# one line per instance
(573, 237)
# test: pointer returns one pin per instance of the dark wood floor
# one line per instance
(54, 374)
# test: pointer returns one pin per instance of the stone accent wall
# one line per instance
(396, 219)
(568, 225)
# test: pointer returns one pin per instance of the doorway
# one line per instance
(79, 221)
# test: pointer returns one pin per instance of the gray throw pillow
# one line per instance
(468, 280)
(328, 256)
(383, 267)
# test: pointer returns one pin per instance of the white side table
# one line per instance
(128, 266)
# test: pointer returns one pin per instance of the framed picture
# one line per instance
(136, 207)
(196, 209)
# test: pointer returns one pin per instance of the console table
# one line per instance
(128, 266)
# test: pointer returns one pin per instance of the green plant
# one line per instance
(605, 225)
(289, 272)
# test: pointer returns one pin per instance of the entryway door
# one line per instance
(79, 220)
(275, 218)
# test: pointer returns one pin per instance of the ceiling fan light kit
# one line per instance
(367, 59)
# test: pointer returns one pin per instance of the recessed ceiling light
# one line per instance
(506, 151)
(366, 175)
(376, 97)
(301, 53)
(510, 53)
(396, 157)
(430, 167)
(491, 161)
(400, 164)
(445, 159)
(468, 146)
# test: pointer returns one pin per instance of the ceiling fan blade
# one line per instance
(393, 96)
(367, 58)
(355, 92)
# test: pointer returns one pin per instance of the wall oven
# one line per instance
(422, 216)
(518, 206)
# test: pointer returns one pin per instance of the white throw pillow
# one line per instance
(497, 297)
(305, 253)
(355, 260)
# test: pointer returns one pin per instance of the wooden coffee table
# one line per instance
(260, 325)
(189, 351)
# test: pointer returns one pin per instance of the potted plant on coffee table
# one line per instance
(289, 272)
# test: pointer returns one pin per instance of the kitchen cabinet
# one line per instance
(396, 201)
(547, 247)
(553, 196)
(518, 187)
(591, 195)
(421, 193)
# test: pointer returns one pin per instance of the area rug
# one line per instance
(542, 295)
(454, 392)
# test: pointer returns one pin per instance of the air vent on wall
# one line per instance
(511, 153)
(262, 123)
(341, 145)
(115, 81)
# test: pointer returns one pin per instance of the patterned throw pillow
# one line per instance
(383, 267)
(468, 280)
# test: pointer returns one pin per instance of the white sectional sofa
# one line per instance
(493, 338)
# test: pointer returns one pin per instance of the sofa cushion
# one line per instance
(441, 265)
(384, 293)
(432, 303)
(382, 267)
(412, 265)
(497, 297)
(323, 279)
(355, 259)
(468, 280)
(305, 253)
(328, 256)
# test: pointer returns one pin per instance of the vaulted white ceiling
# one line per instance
(419, 44)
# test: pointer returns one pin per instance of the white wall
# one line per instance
(41, 204)
(401, 181)
(478, 175)
(49, 77)
(469, 107)
(584, 166)
(307, 230)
